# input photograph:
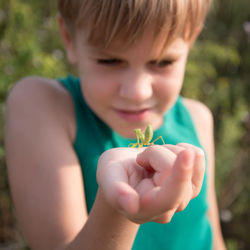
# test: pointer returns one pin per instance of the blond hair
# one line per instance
(106, 20)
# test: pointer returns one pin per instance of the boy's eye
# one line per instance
(111, 61)
(162, 63)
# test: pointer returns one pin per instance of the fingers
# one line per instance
(197, 150)
(199, 167)
(176, 149)
(112, 178)
(177, 188)
(127, 198)
(180, 180)
(119, 192)
(156, 157)
(183, 183)
(158, 160)
(199, 164)
(165, 217)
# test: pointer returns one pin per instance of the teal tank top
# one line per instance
(189, 229)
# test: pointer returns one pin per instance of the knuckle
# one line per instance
(196, 191)
(182, 206)
(167, 219)
(154, 148)
(168, 216)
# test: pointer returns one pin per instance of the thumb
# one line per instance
(127, 199)
(113, 180)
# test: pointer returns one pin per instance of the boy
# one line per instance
(60, 135)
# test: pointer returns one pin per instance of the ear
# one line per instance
(67, 40)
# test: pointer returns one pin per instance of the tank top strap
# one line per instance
(178, 125)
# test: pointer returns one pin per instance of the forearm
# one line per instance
(105, 229)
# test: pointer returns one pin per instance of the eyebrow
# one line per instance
(168, 55)
(103, 52)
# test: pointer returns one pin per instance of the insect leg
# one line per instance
(160, 137)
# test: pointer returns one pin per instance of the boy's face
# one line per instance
(129, 89)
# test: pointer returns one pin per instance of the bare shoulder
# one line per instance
(34, 86)
(203, 120)
(43, 168)
(43, 96)
(200, 113)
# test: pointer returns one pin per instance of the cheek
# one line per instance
(172, 81)
(170, 84)
(97, 90)
(168, 90)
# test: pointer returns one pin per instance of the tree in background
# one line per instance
(217, 74)
(221, 60)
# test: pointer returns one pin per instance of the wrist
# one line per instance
(121, 230)
(110, 211)
(106, 228)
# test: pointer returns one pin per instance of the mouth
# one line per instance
(133, 115)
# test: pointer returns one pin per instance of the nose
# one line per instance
(136, 86)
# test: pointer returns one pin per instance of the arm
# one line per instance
(204, 122)
(45, 175)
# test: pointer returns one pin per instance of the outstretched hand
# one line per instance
(151, 184)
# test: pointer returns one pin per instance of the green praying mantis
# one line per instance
(144, 139)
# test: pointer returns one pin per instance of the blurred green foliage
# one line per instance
(218, 74)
